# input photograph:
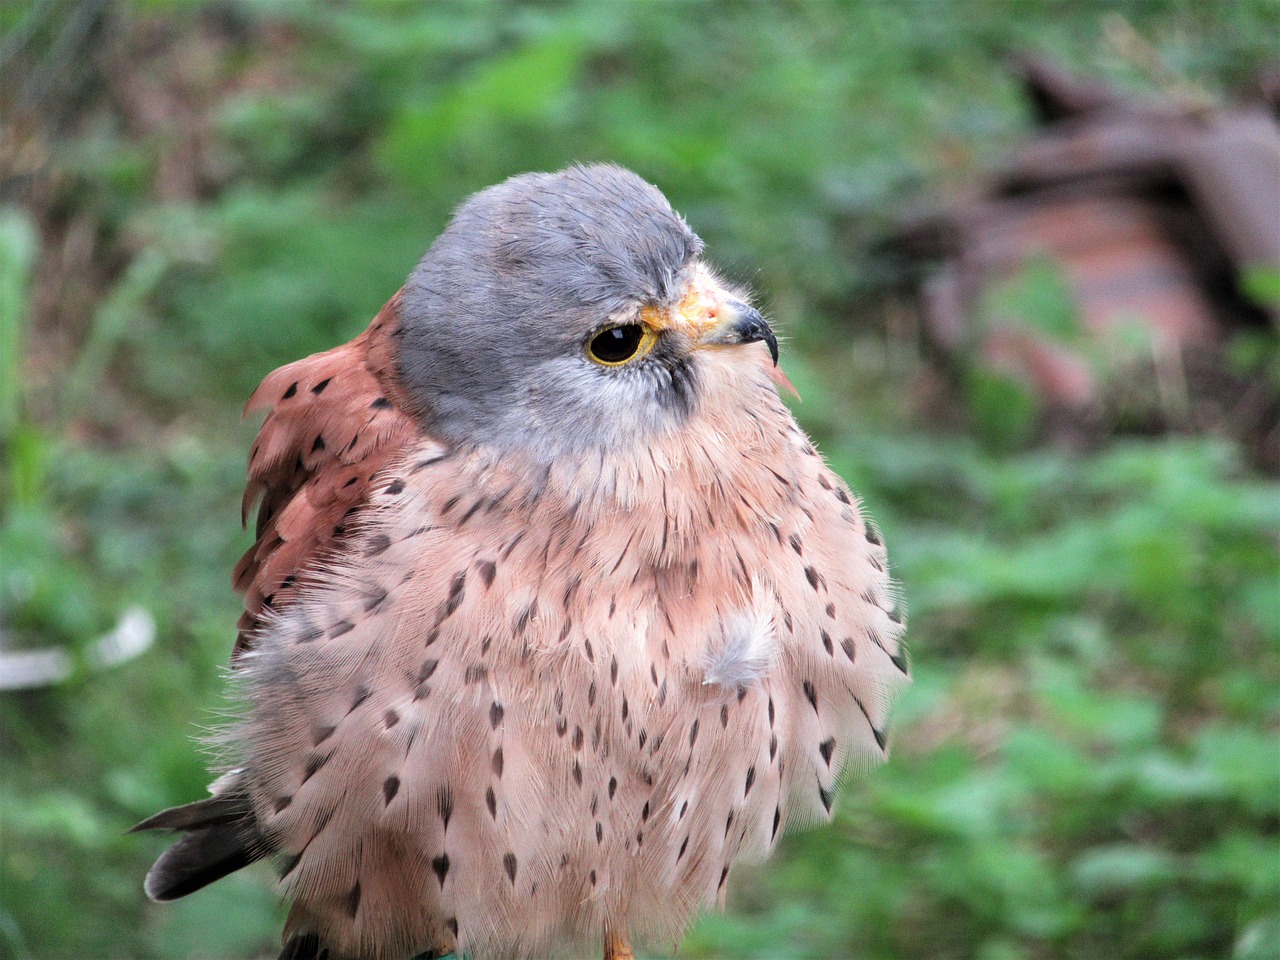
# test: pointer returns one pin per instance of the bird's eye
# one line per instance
(615, 346)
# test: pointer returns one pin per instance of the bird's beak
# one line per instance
(741, 323)
(712, 317)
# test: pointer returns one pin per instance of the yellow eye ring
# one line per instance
(623, 343)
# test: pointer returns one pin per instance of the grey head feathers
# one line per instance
(495, 316)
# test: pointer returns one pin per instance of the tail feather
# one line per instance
(221, 837)
(219, 809)
(304, 946)
(308, 946)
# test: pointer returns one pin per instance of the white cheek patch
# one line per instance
(745, 652)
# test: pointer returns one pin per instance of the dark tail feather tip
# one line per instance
(304, 946)
(203, 856)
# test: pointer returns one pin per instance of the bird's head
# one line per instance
(564, 311)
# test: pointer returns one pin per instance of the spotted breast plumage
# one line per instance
(554, 613)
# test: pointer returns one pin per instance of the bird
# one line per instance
(554, 613)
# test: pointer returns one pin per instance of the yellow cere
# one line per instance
(696, 314)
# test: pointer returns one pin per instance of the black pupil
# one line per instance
(617, 343)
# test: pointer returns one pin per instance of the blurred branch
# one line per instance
(23, 669)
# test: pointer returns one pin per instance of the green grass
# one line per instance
(1087, 764)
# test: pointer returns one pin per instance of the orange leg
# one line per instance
(617, 946)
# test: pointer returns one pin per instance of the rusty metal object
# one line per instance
(1152, 211)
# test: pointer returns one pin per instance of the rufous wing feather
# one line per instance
(334, 421)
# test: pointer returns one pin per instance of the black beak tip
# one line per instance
(772, 340)
(751, 327)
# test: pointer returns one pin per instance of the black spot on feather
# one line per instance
(444, 803)
(359, 695)
(313, 766)
(457, 591)
(811, 695)
(376, 599)
(440, 865)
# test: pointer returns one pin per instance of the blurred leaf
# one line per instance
(110, 323)
(1261, 284)
(525, 86)
(18, 249)
(1004, 409)
(1038, 296)
(1122, 868)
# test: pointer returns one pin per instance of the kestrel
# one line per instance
(554, 613)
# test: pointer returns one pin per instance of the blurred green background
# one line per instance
(1087, 765)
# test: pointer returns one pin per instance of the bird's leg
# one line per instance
(617, 946)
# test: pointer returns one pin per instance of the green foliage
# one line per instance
(17, 256)
(1261, 284)
(1086, 765)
